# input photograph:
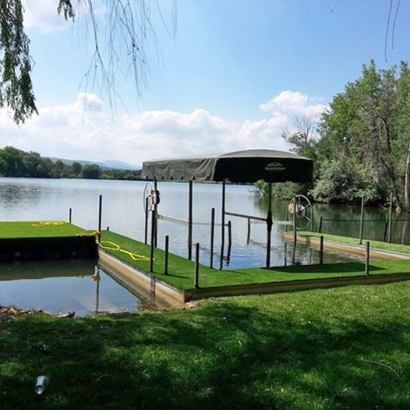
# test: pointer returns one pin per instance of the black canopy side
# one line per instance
(240, 166)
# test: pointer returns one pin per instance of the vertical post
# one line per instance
(228, 256)
(269, 226)
(190, 221)
(294, 231)
(248, 238)
(361, 222)
(154, 220)
(366, 269)
(69, 215)
(211, 257)
(151, 262)
(320, 224)
(196, 273)
(166, 255)
(321, 251)
(294, 221)
(223, 223)
(390, 218)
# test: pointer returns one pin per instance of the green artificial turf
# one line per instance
(38, 229)
(181, 270)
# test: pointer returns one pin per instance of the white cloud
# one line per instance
(296, 103)
(84, 131)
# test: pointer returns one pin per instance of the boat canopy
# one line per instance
(239, 167)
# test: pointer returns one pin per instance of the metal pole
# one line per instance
(151, 262)
(166, 255)
(154, 220)
(321, 251)
(228, 256)
(248, 238)
(223, 223)
(320, 224)
(211, 257)
(269, 226)
(190, 221)
(196, 273)
(69, 215)
(361, 222)
(294, 231)
(367, 258)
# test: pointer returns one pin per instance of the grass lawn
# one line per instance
(181, 270)
(345, 348)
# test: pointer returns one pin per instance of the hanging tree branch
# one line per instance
(16, 90)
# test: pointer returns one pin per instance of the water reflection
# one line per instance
(61, 286)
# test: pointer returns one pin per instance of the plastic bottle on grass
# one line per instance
(41, 384)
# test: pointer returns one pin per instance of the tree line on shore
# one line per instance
(17, 163)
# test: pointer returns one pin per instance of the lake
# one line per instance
(83, 287)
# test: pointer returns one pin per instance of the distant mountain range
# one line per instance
(105, 165)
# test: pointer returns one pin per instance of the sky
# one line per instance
(221, 75)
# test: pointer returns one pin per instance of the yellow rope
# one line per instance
(115, 247)
(47, 223)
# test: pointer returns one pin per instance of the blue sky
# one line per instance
(233, 76)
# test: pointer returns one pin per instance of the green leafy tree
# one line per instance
(91, 171)
(367, 127)
(13, 158)
(76, 168)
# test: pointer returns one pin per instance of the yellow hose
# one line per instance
(114, 247)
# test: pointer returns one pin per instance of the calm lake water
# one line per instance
(84, 288)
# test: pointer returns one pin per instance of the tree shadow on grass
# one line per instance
(277, 353)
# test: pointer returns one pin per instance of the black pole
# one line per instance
(196, 273)
(367, 257)
(248, 238)
(321, 251)
(228, 256)
(320, 224)
(294, 231)
(211, 257)
(269, 226)
(190, 201)
(223, 223)
(166, 255)
(153, 218)
(69, 215)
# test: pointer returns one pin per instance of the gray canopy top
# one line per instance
(239, 166)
